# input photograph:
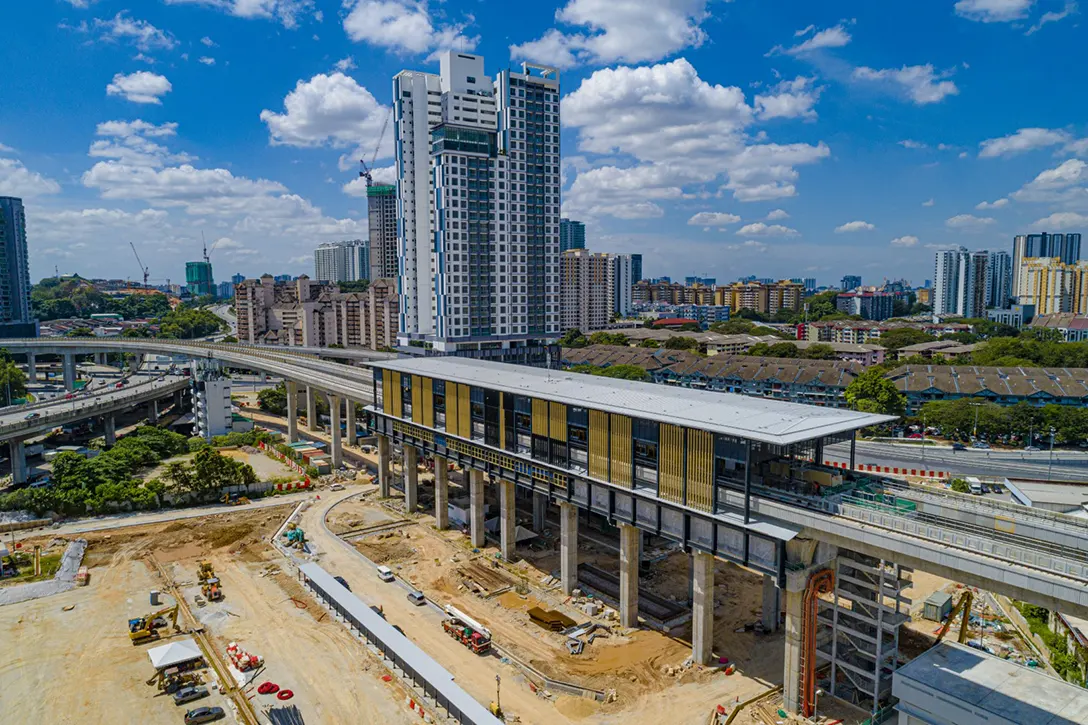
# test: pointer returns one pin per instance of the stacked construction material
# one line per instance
(550, 619)
(243, 661)
(289, 715)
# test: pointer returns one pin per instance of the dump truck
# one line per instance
(466, 630)
(146, 628)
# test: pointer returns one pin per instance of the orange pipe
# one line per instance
(822, 582)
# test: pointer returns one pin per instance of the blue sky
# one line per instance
(717, 138)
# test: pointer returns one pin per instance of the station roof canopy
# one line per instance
(740, 416)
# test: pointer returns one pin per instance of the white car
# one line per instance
(336, 487)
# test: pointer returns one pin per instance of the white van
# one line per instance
(386, 574)
(975, 484)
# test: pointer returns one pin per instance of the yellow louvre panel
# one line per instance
(387, 392)
(558, 422)
(540, 417)
(428, 402)
(622, 444)
(700, 470)
(502, 422)
(464, 411)
(671, 463)
(598, 445)
(451, 409)
(398, 396)
(417, 398)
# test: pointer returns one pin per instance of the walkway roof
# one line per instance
(740, 416)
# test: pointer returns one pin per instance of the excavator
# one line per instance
(209, 582)
(146, 628)
(963, 610)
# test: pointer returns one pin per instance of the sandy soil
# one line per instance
(266, 468)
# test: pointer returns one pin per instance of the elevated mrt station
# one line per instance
(677, 463)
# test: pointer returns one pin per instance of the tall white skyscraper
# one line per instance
(960, 282)
(478, 205)
(998, 280)
(342, 261)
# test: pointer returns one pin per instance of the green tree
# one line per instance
(783, 349)
(12, 381)
(360, 285)
(871, 392)
(959, 485)
(820, 351)
(900, 337)
(80, 332)
(733, 327)
(691, 327)
(607, 338)
(573, 338)
(624, 372)
(682, 343)
(648, 342)
(273, 400)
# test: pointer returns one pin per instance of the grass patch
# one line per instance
(25, 563)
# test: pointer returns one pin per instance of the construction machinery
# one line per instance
(147, 628)
(963, 609)
(209, 582)
(233, 499)
(366, 172)
(145, 270)
(466, 630)
(296, 537)
(495, 708)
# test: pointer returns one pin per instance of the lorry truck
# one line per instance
(466, 630)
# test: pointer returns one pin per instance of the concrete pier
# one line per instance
(311, 409)
(411, 478)
(702, 607)
(772, 605)
(507, 520)
(629, 548)
(109, 426)
(153, 412)
(337, 449)
(476, 507)
(791, 683)
(292, 411)
(18, 461)
(69, 371)
(350, 411)
(540, 510)
(568, 546)
(441, 493)
(385, 466)
(31, 368)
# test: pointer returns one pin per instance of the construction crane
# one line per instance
(365, 173)
(146, 271)
(962, 608)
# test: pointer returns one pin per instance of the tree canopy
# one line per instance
(871, 392)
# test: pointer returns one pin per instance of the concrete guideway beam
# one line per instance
(337, 450)
(568, 546)
(441, 493)
(507, 520)
(385, 466)
(476, 508)
(411, 479)
(292, 411)
(629, 557)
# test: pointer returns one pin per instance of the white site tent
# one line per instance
(175, 653)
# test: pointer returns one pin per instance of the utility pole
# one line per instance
(1050, 466)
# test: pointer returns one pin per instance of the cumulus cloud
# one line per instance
(1026, 139)
(929, 202)
(129, 142)
(286, 12)
(912, 144)
(996, 204)
(330, 110)
(345, 64)
(140, 87)
(17, 180)
(993, 11)
(759, 229)
(1063, 183)
(1063, 220)
(789, 99)
(921, 83)
(776, 214)
(140, 33)
(1053, 17)
(856, 226)
(403, 27)
(833, 37)
(905, 241)
(969, 222)
(627, 32)
(382, 175)
(713, 219)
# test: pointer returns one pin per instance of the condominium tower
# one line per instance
(342, 261)
(595, 287)
(477, 166)
(381, 201)
(572, 235)
(15, 319)
(1065, 247)
(960, 282)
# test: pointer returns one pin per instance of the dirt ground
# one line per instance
(264, 610)
(266, 468)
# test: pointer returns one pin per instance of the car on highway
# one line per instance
(70, 396)
(32, 416)
(120, 385)
(1032, 449)
(188, 694)
(958, 447)
(981, 445)
(204, 714)
(417, 598)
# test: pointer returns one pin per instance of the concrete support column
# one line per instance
(629, 538)
(18, 461)
(385, 466)
(109, 430)
(179, 400)
(476, 507)
(771, 604)
(350, 405)
(292, 411)
(69, 371)
(540, 509)
(791, 682)
(441, 493)
(702, 607)
(100, 358)
(568, 546)
(311, 409)
(411, 478)
(507, 520)
(334, 414)
(31, 367)
(153, 412)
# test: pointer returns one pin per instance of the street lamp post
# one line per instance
(1050, 465)
(923, 440)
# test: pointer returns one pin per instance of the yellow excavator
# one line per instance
(209, 582)
(963, 610)
(146, 628)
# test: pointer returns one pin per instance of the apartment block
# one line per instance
(1052, 286)
(595, 287)
(381, 213)
(342, 261)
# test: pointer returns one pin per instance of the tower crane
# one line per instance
(365, 173)
(146, 271)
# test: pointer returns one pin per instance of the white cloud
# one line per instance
(833, 37)
(207, 60)
(920, 82)
(402, 26)
(382, 175)
(139, 87)
(969, 222)
(139, 33)
(905, 241)
(4, 149)
(911, 144)
(993, 11)
(789, 99)
(750, 245)
(330, 109)
(713, 219)
(1063, 220)
(856, 226)
(208, 42)
(127, 142)
(996, 204)
(1063, 183)
(623, 193)
(17, 180)
(1053, 17)
(1025, 139)
(287, 12)
(776, 214)
(81, 4)
(345, 64)
(759, 229)
(929, 202)
(618, 32)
